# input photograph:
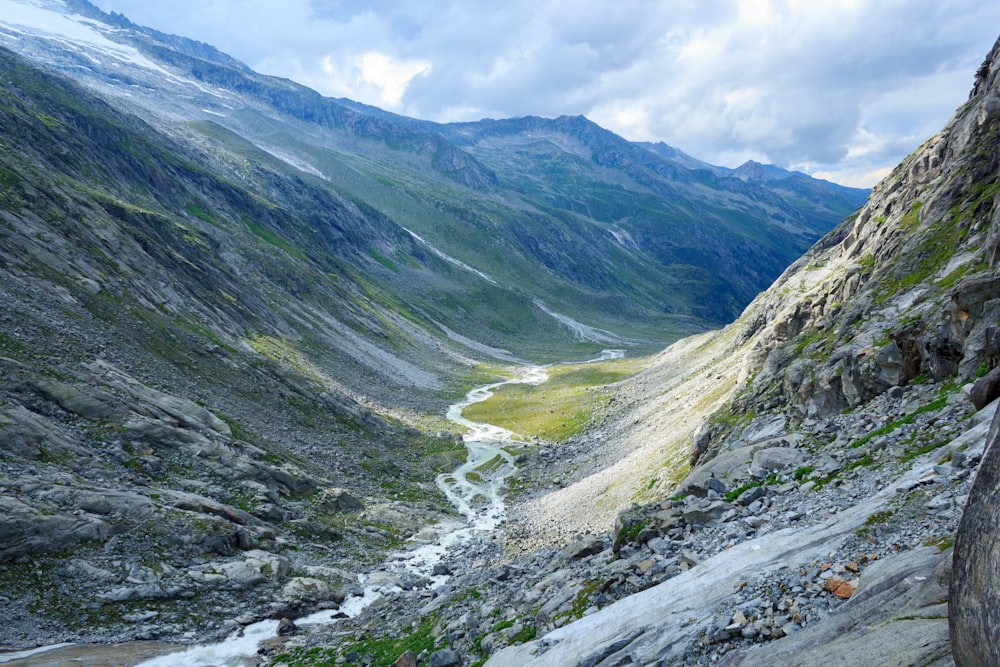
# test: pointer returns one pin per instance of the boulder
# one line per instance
(24, 529)
(588, 546)
(306, 590)
(970, 302)
(889, 365)
(192, 502)
(764, 428)
(715, 484)
(772, 459)
(164, 435)
(986, 389)
(840, 587)
(26, 434)
(92, 403)
(257, 567)
(243, 574)
(446, 658)
(339, 500)
(751, 495)
(408, 659)
(974, 597)
(705, 511)
(161, 405)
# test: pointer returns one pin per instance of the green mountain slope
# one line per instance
(562, 212)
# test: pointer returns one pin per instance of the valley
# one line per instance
(269, 358)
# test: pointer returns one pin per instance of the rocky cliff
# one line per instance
(859, 387)
(785, 490)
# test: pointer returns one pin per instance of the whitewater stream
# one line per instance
(475, 488)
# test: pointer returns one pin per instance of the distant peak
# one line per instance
(753, 171)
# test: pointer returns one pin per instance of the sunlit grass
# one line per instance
(574, 396)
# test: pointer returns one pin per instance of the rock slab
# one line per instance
(974, 619)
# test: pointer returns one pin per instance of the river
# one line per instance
(475, 488)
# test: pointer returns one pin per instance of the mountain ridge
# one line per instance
(434, 149)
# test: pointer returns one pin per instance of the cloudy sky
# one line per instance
(841, 89)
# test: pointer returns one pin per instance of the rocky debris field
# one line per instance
(129, 512)
(914, 448)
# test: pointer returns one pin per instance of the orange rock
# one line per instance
(852, 566)
(842, 589)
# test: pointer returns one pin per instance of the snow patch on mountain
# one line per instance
(580, 330)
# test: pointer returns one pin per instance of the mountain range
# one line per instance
(575, 214)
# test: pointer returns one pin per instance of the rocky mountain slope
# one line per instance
(163, 436)
(800, 474)
(854, 368)
(232, 310)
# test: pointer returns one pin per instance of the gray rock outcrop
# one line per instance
(974, 597)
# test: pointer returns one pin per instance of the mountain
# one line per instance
(156, 407)
(802, 473)
(814, 483)
(232, 310)
(575, 214)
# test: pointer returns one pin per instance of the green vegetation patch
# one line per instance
(557, 409)
(581, 603)
(383, 260)
(820, 338)
(939, 243)
(866, 461)
(265, 234)
(630, 531)
(733, 494)
(203, 215)
(922, 442)
(802, 473)
(725, 416)
(934, 406)
(911, 219)
(377, 651)
(11, 346)
(942, 543)
(873, 521)
(283, 351)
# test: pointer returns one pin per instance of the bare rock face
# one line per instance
(986, 389)
(974, 598)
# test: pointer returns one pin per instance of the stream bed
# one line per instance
(475, 488)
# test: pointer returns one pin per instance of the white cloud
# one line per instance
(840, 87)
(376, 74)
